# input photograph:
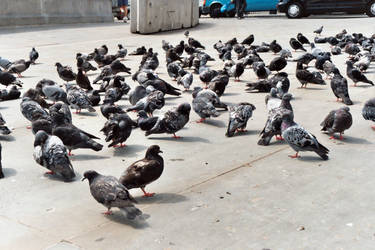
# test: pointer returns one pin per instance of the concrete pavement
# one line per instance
(215, 192)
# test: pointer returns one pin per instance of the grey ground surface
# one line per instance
(215, 192)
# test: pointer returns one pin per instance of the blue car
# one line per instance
(222, 8)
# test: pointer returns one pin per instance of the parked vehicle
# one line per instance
(222, 8)
(303, 8)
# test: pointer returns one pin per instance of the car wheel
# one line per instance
(231, 13)
(371, 9)
(294, 10)
(215, 10)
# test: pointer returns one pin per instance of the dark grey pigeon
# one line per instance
(337, 121)
(31, 110)
(78, 99)
(108, 108)
(299, 139)
(1, 165)
(8, 79)
(173, 70)
(185, 79)
(149, 103)
(318, 31)
(11, 93)
(137, 94)
(85, 65)
(238, 117)
(19, 67)
(65, 72)
(274, 120)
(144, 122)
(356, 75)
(82, 80)
(50, 152)
(203, 106)
(4, 130)
(33, 56)
(305, 58)
(296, 45)
(107, 190)
(172, 121)
(339, 86)
(122, 52)
(60, 114)
(54, 93)
(117, 129)
(368, 111)
(304, 76)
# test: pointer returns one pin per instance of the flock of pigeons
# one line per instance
(56, 136)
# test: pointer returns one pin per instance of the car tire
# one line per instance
(294, 10)
(215, 10)
(371, 9)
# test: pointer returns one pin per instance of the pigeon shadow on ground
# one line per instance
(7, 138)
(310, 158)
(59, 178)
(9, 172)
(363, 86)
(139, 223)
(162, 198)
(355, 140)
(312, 88)
(182, 139)
(25, 77)
(129, 150)
(92, 74)
(230, 94)
(90, 114)
(86, 157)
(172, 97)
(215, 123)
(248, 132)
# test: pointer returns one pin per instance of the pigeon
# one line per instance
(219, 82)
(328, 68)
(74, 138)
(122, 52)
(299, 139)
(237, 70)
(320, 39)
(280, 81)
(50, 152)
(103, 60)
(368, 111)
(10, 94)
(275, 47)
(238, 117)
(172, 121)
(352, 49)
(35, 95)
(33, 55)
(277, 64)
(186, 34)
(332, 41)
(336, 50)
(86, 66)
(108, 108)
(318, 31)
(42, 124)
(137, 94)
(296, 45)
(78, 99)
(185, 79)
(363, 63)
(144, 122)
(339, 86)
(274, 120)
(173, 70)
(321, 59)
(54, 93)
(94, 97)
(163, 86)
(272, 100)
(179, 49)
(207, 74)
(60, 114)
(4, 130)
(302, 39)
(166, 45)
(315, 51)
(65, 72)
(83, 81)
(172, 56)
(19, 67)
(248, 40)
(305, 58)
(194, 43)
(356, 75)
(8, 79)
(31, 110)
(107, 190)
(1, 165)
(261, 70)
(337, 121)
(103, 50)
(117, 129)
(152, 62)
(139, 51)
(44, 82)
(145, 171)
(304, 76)
(203, 106)
(154, 100)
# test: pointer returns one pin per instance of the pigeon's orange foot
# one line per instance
(294, 156)
(279, 138)
(70, 153)
(176, 137)
(148, 194)
(28, 127)
(108, 212)
(49, 173)
(119, 145)
(332, 138)
(201, 120)
(373, 127)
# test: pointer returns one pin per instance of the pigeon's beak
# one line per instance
(84, 178)
(160, 151)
